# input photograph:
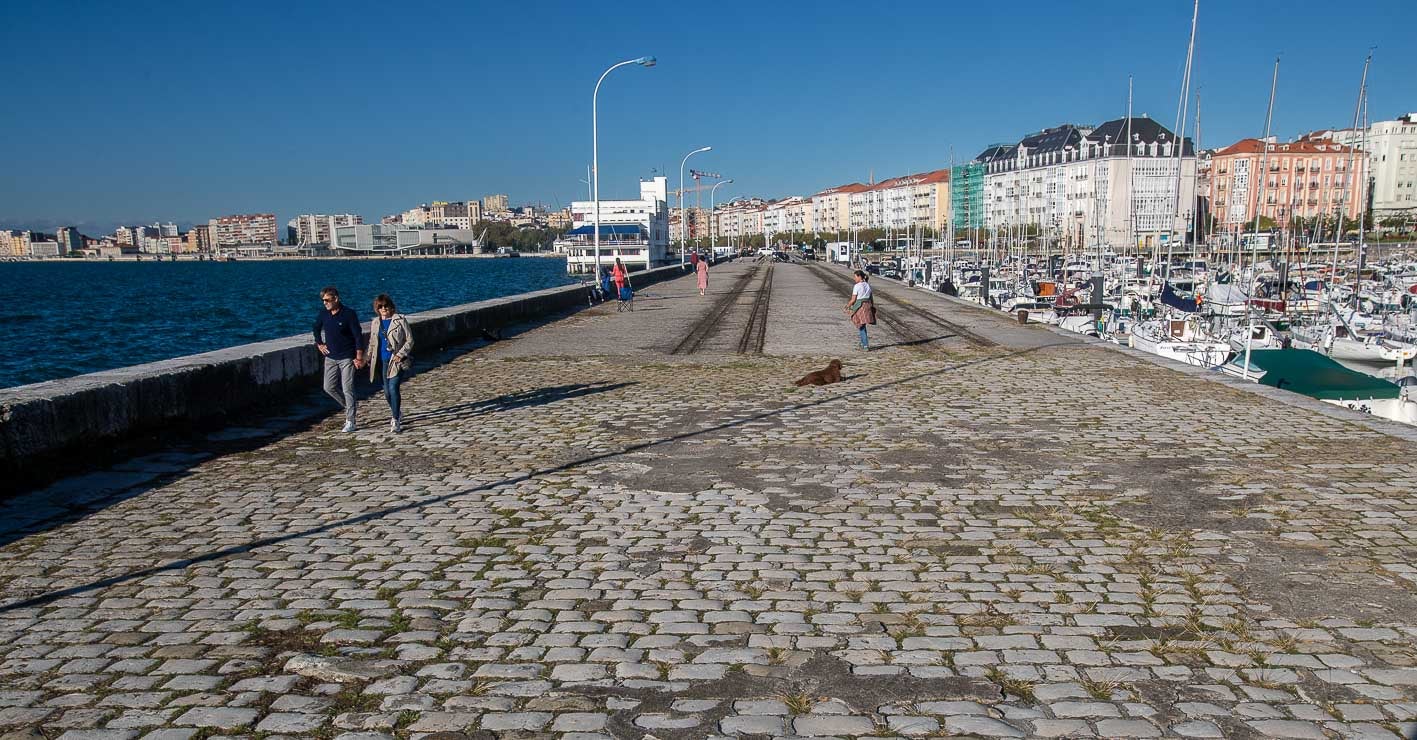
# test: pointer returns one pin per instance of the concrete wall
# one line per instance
(42, 424)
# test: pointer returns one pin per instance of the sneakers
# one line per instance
(395, 426)
(348, 427)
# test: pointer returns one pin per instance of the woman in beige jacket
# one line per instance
(390, 347)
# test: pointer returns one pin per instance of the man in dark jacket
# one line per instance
(338, 337)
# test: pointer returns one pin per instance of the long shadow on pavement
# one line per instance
(509, 401)
(51, 596)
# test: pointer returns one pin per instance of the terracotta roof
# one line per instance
(854, 187)
(923, 178)
(1302, 146)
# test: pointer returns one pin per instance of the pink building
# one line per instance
(1303, 178)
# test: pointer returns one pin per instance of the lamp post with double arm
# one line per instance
(713, 241)
(683, 215)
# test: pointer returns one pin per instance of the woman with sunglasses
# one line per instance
(390, 347)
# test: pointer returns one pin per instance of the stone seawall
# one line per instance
(41, 425)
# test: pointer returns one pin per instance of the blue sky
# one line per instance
(138, 111)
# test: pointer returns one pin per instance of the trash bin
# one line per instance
(1023, 316)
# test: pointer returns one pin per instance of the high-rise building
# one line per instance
(124, 236)
(15, 243)
(495, 203)
(199, 239)
(70, 240)
(164, 230)
(243, 229)
(318, 229)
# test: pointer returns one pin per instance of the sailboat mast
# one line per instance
(1352, 155)
(1181, 139)
(1131, 181)
(1195, 181)
(1254, 242)
(1361, 191)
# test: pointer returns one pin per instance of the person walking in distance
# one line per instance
(623, 292)
(702, 269)
(338, 339)
(390, 348)
(861, 308)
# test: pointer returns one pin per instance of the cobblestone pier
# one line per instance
(625, 525)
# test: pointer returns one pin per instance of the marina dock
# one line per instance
(627, 524)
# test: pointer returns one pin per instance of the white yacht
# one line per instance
(1180, 339)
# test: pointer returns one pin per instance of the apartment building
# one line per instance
(789, 215)
(1391, 148)
(1116, 184)
(697, 228)
(967, 196)
(15, 243)
(311, 229)
(738, 218)
(198, 239)
(1305, 178)
(70, 240)
(911, 201)
(243, 229)
(831, 208)
(495, 203)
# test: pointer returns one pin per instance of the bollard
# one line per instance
(1023, 316)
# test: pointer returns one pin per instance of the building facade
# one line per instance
(739, 218)
(911, 201)
(15, 243)
(318, 229)
(1392, 160)
(967, 196)
(1305, 178)
(70, 240)
(243, 229)
(831, 208)
(496, 203)
(1085, 186)
(636, 231)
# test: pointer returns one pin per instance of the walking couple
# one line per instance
(339, 339)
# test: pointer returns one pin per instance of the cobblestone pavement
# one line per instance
(1034, 539)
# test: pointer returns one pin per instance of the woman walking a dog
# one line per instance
(861, 308)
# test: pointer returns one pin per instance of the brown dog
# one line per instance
(830, 374)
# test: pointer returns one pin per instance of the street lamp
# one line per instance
(713, 244)
(595, 148)
(684, 217)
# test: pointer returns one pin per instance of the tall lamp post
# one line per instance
(683, 216)
(595, 148)
(713, 242)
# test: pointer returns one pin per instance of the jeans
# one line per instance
(340, 373)
(864, 345)
(391, 394)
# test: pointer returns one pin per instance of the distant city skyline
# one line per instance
(792, 103)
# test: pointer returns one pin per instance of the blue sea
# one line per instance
(69, 318)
